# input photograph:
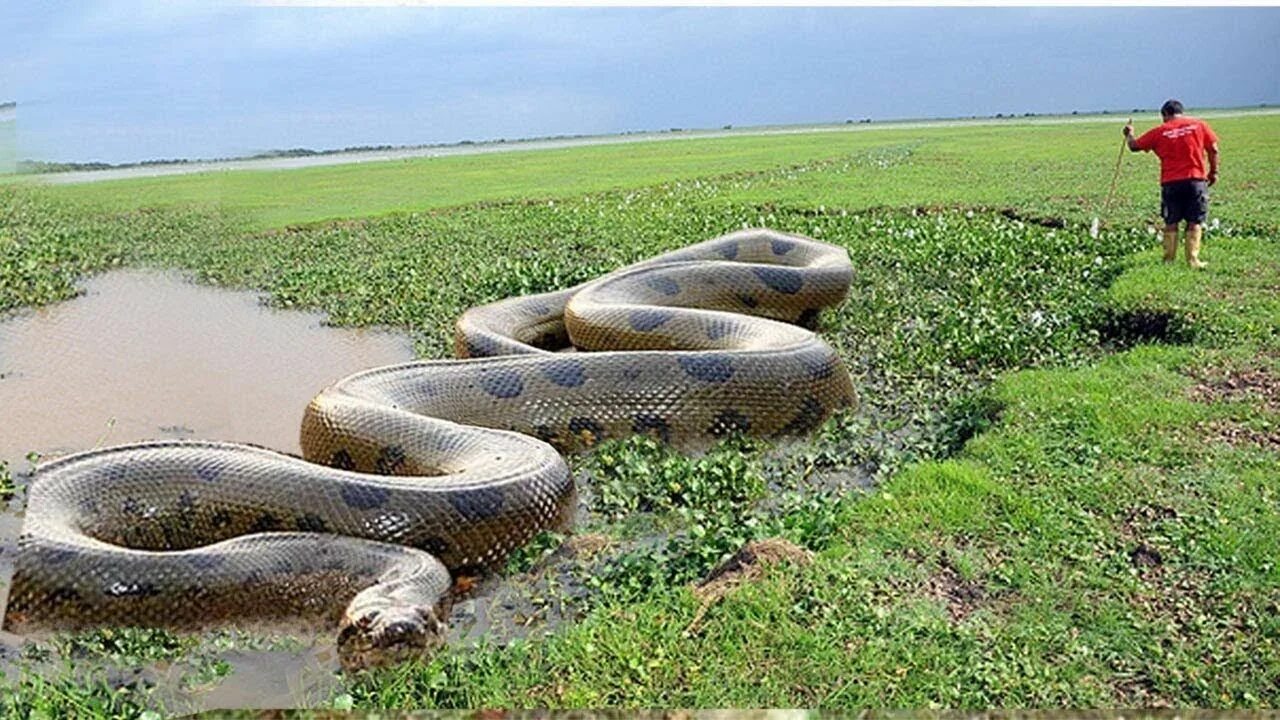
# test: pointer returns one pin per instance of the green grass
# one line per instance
(1075, 444)
(1054, 169)
(1236, 298)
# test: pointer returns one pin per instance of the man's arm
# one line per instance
(1130, 139)
(1212, 150)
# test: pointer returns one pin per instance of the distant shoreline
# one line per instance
(303, 157)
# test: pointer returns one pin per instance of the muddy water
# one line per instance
(146, 355)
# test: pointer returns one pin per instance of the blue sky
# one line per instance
(126, 81)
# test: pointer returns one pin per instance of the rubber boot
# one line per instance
(1193, 247)
(1170, 245)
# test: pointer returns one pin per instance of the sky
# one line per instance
(115, 81)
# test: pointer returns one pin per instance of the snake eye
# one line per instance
(366, 621)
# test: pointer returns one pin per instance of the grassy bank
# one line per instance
(1075, 444)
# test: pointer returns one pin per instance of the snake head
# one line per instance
(373, 636)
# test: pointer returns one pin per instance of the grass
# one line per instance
(1075, 444)
(1055, 169)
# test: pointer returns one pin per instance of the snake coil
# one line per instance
(417, 469)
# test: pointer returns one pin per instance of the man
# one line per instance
(1181, 143)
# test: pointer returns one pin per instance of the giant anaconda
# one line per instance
(396, 490)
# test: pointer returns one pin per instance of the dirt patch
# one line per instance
(960, 596)
(749, 564)
(1139, 690)
(1123, 329)
(585, 546)
(1049, 222)
(1238, 435)
(746, 565)
(1251, 384)
(945, 584)
(1178, 595)
(1145, 556)
(1139, 522)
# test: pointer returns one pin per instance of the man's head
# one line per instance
(1171, 108)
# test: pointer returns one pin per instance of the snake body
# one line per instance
(415, 470)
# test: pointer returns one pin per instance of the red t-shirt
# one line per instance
(1180, 145)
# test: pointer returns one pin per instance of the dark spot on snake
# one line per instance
(646, 320)
(552, 340)
(390, 460)
(708, 368)
(186, 501)
(663, 284)
(133, 589)
(64, 595)
(580, 425)
(221, 519)
(781, 247)
(365, 497)
(807, 419)
(477, 503)
(748, 300)
(482, 346)
(310, 522)
(116, 472)
(545, 433)
(88, 506)
(729, 421)
(645, 423)
(208, 471)
(265, 522)
(728, 250)
(808, 318)
(565, 373)
(342, 460)
(130, 506)
(819, 368)
(631, 373)
(502, 383)
(784, 280)
(56, 556)
(718, 328)
(206, 561)
(434, 545)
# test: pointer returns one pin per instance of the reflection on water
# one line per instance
(146, 355)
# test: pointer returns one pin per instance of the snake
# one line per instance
(417, 473)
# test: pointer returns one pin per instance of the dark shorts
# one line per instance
(1184, 200)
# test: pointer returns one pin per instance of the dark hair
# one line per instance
(1171, 107)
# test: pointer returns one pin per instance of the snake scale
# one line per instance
(417, 470)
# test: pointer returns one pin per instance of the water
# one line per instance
(146, 355)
